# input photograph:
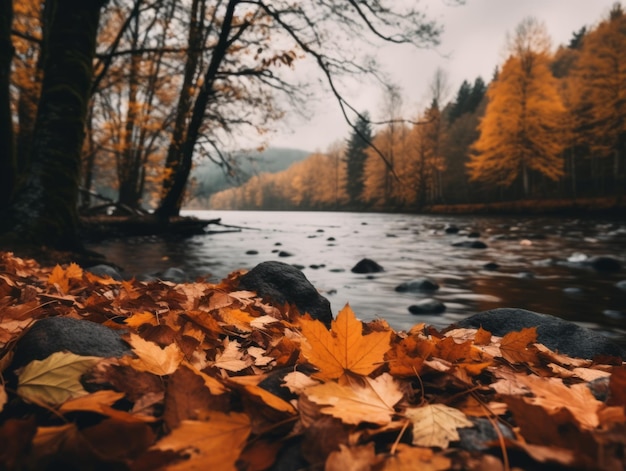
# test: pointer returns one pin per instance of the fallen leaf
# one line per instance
(372, 401)
(92, 402)
(3, 397)
(553, 395)
(482, 337)
(214, 443)
(297, 382)
(408, 458)
(352, 458)
(152, 358)
(232, 358)
(514, 346)
(140, 318)
(345, 348)
(55, 379)
(436, 424)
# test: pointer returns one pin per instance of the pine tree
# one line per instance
(356, 156)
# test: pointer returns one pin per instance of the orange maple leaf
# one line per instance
(345, 348)
(513, 346)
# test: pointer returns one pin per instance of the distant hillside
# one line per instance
(209, 178)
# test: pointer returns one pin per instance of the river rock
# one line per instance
(621, 285)
(555, 333)
(427, 306)
(281, 283)
(605, 264)
(491, 266)
(367, 265)
(175, 275)
(57, 334)
(104, 271)
(284, 253)
(451, 229)
(470, 244)
(417, 286)
(482, 434)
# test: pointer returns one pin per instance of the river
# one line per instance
(541, 261)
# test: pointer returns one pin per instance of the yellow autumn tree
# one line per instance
(601, 97)
(521, 130)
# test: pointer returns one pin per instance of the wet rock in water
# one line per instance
(104, 271)
(621, 285)
(57, 334)
(427, 306)
(252, 252)
(605, 264)
(492, 266)
(614, 314)
(451, 229)
(337, 270)
(480, 436)
(525, 275)
(284, 253)
(331, 239)
(417, 286)
(175, 275)
(473, 235)
(555, 333)
(470, 244)
(367, 265)
(277, 244)
(281, 283)
(573, 291)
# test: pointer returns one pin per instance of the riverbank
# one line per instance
(605, 206)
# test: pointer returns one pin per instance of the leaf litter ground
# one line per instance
(219, 379)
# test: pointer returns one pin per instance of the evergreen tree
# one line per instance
(459, 106)
(476, 96)
(356, 156)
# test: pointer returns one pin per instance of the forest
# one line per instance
(550, 125)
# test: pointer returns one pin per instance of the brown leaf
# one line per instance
(214, 443)
(352, 458)
(353, 403)
(436, 424)
(152, 358)
(617, 387)
(482, 337)
(408, 458)
(514, 346)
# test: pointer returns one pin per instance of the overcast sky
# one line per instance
(473, 44)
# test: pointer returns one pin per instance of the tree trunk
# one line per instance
(44, 211)
(180, 154)
(7, 152)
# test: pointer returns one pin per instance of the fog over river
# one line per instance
(543, 262)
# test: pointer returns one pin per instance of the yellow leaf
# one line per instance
(73, 272)
(212, 444)
(436, 425)
(55, 379)
(140, 318)
(57, 277)
(355, 403)
(345, 348)
(152, 358)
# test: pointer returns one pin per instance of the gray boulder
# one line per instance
(427, 306)
(470, 244)
(281, 283)
(367, 265)
(555, 333)
(605, 264)
(417, 286)
(58, 334)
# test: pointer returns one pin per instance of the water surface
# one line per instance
(541, 261)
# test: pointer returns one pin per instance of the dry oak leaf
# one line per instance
(371, 400)
(55, 379)
(408, 458)
(345, 348)
(513, 346)
(152, 358)
(297, 382)
(553, 395)
(436, 424)
(214, 443)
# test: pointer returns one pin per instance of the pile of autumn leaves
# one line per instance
(221, 380)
